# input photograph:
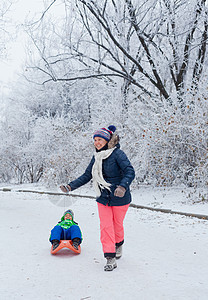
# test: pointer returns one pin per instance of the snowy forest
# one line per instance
(139, 65)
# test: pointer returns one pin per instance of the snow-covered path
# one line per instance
(165, 256)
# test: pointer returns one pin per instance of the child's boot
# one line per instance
(75, 243)
(111, 264)
(55, 244)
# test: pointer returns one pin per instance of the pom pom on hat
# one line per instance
(112, 128)
(104, 133)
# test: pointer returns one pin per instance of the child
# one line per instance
(66, 229)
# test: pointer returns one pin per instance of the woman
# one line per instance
(112, 174)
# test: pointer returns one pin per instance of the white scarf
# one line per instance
(97, 174)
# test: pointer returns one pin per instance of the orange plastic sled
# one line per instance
(65, 244)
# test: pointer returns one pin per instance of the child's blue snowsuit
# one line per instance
(60, 233)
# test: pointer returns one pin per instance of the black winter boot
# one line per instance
(55, 244)
(75, 243)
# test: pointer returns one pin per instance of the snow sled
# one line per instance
(65, 244)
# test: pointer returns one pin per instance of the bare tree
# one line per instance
(4, 20)
(157, 46)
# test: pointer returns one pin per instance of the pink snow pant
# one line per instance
(111, 226)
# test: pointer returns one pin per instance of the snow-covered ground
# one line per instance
(164, 257)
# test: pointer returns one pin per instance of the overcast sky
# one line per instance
(15, 49)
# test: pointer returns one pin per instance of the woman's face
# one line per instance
(99, 142)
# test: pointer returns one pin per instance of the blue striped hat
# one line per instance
(104, 133)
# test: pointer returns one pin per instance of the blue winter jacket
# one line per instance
(117, 170)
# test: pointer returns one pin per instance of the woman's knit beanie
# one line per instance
(104, 133)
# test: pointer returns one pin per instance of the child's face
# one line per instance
(67, 217)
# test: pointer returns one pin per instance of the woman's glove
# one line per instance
(65, 188)
(119, 191)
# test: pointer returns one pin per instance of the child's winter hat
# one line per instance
(69, 211)
(104, 133)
